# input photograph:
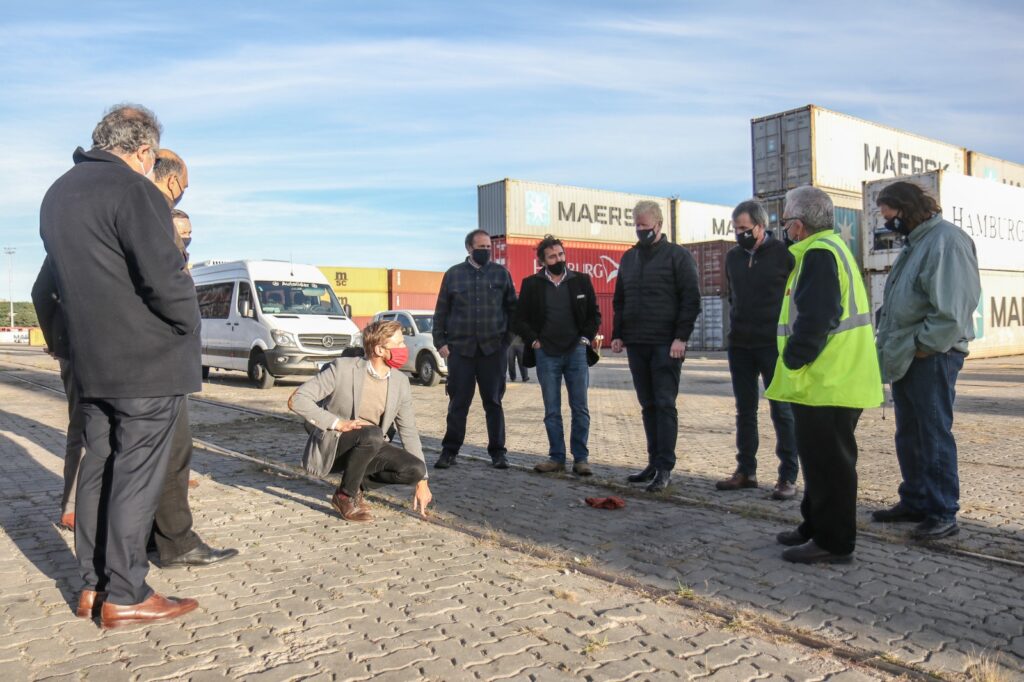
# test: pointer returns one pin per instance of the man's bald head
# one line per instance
(170, 175)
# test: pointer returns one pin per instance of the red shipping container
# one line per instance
(600, 260)
(362, 320)
(710, 257)
(413, 301)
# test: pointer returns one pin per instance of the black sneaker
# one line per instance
(790, 538)
(897, 514)
(446, 460)
(645, 476)
(499, 462)
(661, 480)
(934, 529)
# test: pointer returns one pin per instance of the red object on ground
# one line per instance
(613, 502)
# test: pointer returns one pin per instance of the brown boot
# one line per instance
(361, 503)
(349, 507)
(156, 608)
(736, 482)
(89, 603)
(549, 466)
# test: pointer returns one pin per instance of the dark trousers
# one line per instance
(828, 454)
(74, 448)
(465, 374)
(363, 453)
(925, 446)
(515, 356)
(172, 525)
(128, 443)
(746, 365)
(656, 380)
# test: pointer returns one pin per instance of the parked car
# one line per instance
(269, 319)
(424, 361)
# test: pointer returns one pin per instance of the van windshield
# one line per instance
(297, 298)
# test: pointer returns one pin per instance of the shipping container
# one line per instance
(342, 278)
(711, 331)
(833, 151)
(362, 303)
(533, 209)
(710, 258)
(414, 281)
(362, 320)
(999, 319)
(604, 304)
(991, 213)
(847, 217)
(989, 167)
(413, 301)
(699, 222)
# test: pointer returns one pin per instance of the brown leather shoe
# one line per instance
(156, 608)
(349, 507)
(736, 482)
(549, 466)
(89, 603)
(67, 521)
(784, 490)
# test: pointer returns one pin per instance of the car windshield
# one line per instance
(425, 323)
(297, 298)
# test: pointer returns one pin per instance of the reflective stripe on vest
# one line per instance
(857, 317)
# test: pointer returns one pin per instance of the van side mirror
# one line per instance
(247, 310)
(408, 331)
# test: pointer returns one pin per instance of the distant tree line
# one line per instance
(24, 314)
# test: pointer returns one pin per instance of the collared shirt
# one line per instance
(474, 308)
(373, 373)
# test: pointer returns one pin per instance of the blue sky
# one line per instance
(355, 133)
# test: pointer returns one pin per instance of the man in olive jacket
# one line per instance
(557, 318)
(656, 302)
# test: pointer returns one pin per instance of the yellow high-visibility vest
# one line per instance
(846, 372)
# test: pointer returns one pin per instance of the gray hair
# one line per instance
(125, 128)
(647, 207)
(167, 165)
(812, 206)
(754, 209)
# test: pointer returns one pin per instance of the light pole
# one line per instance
(9, 250)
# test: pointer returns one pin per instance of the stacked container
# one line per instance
(364, 290)
(993, 215)
(712, 328)
(413, 289)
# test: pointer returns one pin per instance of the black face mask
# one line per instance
(557, 268)
(897, 225)
(746, 240)
(646, 237)
(785, 238)
(186, 241)
(481, 256)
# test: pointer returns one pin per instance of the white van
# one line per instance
(270, 319)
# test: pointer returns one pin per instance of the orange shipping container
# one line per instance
(342, 278)
(413, 301)
(415, 281)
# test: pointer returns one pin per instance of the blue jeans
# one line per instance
(925, 446)
(550, 370)
(745, 366)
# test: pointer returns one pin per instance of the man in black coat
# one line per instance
(133, 326)
(758, 268)
(557, 318)
(656, 302)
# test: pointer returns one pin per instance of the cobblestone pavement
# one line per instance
(315, 598)
(940, 611)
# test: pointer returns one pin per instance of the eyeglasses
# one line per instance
(783, 221)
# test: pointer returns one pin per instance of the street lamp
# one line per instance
(9, 250)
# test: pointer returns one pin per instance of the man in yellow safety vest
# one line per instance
(828, 370)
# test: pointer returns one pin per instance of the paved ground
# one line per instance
(313, 597)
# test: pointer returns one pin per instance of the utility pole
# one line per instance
(9, 250)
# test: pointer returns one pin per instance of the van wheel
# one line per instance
(258, 372)
(206, 372)
(426, 370)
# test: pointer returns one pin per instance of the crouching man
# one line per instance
(348, 407)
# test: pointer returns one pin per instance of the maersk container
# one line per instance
(991, 213)
(833, 151)
(533, 209)
(699, 222)
(999, 319)
(847, 217)
(991, 168)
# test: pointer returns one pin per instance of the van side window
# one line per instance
(215, 300)
(244, 296)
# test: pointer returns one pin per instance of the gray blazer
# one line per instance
(335, 393)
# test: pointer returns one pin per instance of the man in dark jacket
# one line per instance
(757, 269)
(471, 331)
(656, 302)
(133, 326)
(557, 317)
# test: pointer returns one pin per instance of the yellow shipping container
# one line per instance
(363, 303)
(35, 337)
(356, 279)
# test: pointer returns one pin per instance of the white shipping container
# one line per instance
(833, 151)
(533, 209)
(999, 319)
(1000, 170)
(847, 215)
(991, 213)
(699, 222)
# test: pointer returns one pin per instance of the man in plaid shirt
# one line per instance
(471, 331)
